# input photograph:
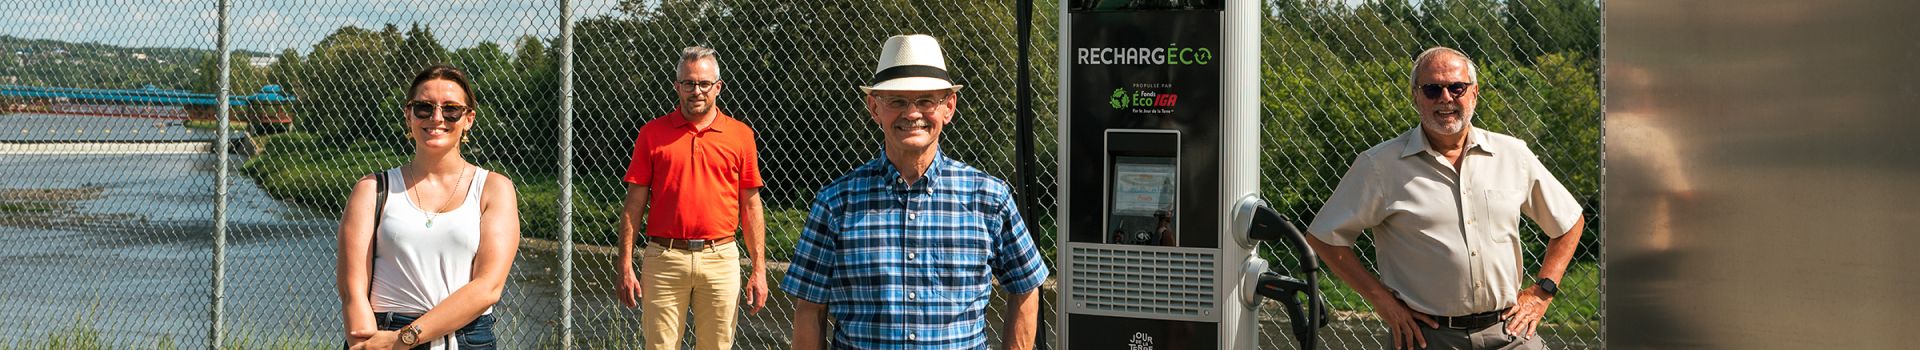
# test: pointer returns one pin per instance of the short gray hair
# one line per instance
(1413, 76)
(696, 53)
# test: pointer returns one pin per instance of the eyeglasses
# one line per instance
(425, 110)
(695, 86)
(899, 103)
(1433, 90)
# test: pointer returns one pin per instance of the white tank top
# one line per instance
(416, 266)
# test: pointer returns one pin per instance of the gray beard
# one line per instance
(1443, 129)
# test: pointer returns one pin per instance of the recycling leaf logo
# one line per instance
(1119, 99)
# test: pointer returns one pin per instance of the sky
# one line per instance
(273, 25)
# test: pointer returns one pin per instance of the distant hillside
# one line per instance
(43, 62)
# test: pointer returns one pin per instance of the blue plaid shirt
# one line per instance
(907, 266)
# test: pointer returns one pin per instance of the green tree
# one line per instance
(522, 93)
(244, 77)
(1546, 26)
(286, 72)
(1471, 26)
(351, 89)
(418, 50)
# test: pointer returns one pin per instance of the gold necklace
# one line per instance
(431, 214)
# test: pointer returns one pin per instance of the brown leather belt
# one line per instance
(689, 244)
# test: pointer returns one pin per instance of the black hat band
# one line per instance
(910, 71)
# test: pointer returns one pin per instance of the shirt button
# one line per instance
(909, 336)
(910, 296)
(1474, 253)
(909, 256)
(910, 216)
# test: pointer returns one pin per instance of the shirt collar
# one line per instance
(1417, 142)
(679, 121)
(892, 175)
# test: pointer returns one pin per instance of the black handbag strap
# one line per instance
(379, 211)
(379, 202)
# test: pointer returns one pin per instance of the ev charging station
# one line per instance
(1160, 217)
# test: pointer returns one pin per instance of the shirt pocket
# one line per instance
(1501, 208)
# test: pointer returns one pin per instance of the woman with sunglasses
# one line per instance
(423, 268)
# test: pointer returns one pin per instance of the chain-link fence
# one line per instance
(109, 234)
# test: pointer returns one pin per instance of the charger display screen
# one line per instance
(1142, 210)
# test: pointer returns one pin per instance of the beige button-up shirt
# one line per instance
(1446, 240)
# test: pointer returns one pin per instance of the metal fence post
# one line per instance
(1023, 109)
(220, 146)
(566, 174)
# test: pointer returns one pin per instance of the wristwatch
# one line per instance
(1547, 285)
(410, 336)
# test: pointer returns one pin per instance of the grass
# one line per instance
(84, 336)
(783, 231)
(594, 218)
(1579, 298)
(298, 169)
(81, 336)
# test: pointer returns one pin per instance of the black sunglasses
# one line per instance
(450, 112)
(1433, 90)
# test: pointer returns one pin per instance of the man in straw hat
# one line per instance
(903, 251)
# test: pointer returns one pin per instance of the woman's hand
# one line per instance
(358, 336)
(376, 340)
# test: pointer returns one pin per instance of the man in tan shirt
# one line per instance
(1444, 201)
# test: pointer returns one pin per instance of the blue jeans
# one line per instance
(477, 335)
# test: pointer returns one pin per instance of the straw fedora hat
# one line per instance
(911, 63)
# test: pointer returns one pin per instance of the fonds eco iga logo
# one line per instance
(1161, 102)
(1170, 55)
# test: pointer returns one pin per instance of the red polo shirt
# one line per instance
(695, 175)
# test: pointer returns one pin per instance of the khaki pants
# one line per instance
(1489, 338)
(673, 280)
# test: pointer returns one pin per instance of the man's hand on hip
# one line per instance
(1527, 312)
(756, 290)
(1405, 323)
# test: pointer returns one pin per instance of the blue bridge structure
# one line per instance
(269, 105)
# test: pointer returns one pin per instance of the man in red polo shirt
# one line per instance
(701, 171)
